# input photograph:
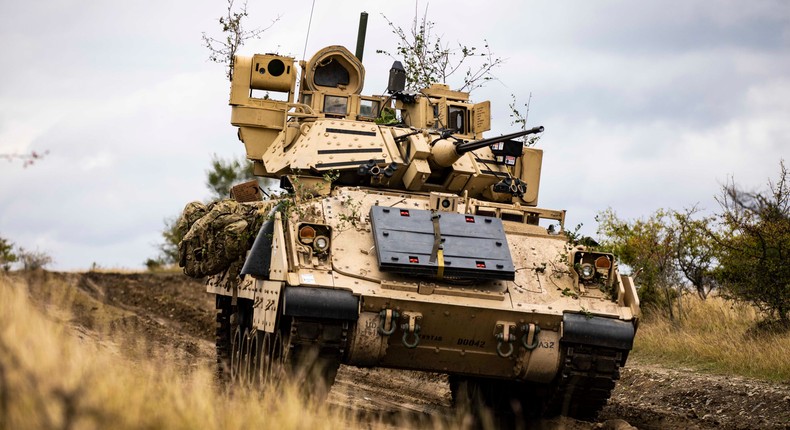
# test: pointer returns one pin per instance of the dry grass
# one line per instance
(54, 376)
(718, 336)
(58, 371)
(55, 373)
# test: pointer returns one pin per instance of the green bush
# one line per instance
(7, 256)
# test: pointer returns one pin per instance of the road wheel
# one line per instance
(265, 359)
(236, 354)
(274, 367)
(232, 343)
(251, 358)
(223, 338)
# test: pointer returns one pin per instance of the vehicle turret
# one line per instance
(430, 141)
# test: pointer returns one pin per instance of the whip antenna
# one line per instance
(308, 30)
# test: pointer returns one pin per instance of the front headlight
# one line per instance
(316, 237)
(593, 267)
(321, 244)
(587, 271)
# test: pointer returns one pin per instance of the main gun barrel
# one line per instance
(463, 148)
(445, 152)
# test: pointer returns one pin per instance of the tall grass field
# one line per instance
(55, 373)
(53, 376)
(715, 335)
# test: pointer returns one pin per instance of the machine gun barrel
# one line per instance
(463, 148)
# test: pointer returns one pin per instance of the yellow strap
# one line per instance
(440, 257)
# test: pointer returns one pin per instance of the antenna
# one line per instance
(363, 27)
(307, 37)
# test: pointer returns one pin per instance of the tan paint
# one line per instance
(279, 266)
(463, 327)
(273, 130)
(340, 55)
(541, 363)
(458, 323)
(264, 77)
(367, 346)
(544, 288)
(266, 304)
(528, 169)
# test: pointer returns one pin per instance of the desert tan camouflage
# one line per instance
(415, 244)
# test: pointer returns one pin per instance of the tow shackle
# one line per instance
(411, 327)
(505, 337)
(387, 317)
(530, 329)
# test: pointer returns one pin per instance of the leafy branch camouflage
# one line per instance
(429, 59)
(520, 120)
(223, 50)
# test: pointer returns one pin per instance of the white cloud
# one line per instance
(646, 105)
(101, 161)
(17, 135)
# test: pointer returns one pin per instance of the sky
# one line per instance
(646, 105)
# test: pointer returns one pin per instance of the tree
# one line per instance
(754, 245)
(429, 59)
(7, 256)
(234, 35)
(696, 251)
(649, 247)
(225, 173)
(29, 260)
(168, 249)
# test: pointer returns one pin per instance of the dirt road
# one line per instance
(171, 311)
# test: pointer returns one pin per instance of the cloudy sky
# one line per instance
(646, 104)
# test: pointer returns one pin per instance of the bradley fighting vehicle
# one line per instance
(409, 240)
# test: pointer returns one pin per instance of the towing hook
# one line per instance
(509, 342)
(527, 329)
(503, 333)
(416, 333)
(411, 327)
(387, 317)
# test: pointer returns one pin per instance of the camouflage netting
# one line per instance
(216, 237)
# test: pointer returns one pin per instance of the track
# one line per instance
(588, 376)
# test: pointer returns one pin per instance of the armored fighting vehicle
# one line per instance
(406, 239)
